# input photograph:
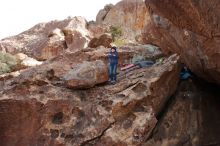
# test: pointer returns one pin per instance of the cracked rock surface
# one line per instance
(37, 108)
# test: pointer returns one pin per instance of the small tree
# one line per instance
(116, 32)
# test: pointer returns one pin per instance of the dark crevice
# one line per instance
(164, 110)
(58, 118)
(97, 137)
(160, 116)
(204, 98)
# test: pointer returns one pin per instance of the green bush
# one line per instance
(4, 68)
(116, 32)
(7, 62)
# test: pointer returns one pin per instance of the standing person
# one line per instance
(113, 63)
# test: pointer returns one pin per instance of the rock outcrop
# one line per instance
(47, 40)
(189, 28)
(37, 108)
(132, 16)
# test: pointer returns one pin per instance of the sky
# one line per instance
(19, 15)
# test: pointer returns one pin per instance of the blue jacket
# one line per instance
(113, 57)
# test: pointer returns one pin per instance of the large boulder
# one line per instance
(76, 34)
(131, 16)
(86, 75)
(104, 40)
(190, 29)
(38, 109)
(96, 30)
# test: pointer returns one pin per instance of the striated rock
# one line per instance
(104, 40)
(190, 29)
(86, 75)
(47, 40)
(132, 16)
(39, 105)
(191, 118)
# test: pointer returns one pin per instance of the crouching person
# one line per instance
(113, 63)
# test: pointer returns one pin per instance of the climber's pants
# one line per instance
(113, 72)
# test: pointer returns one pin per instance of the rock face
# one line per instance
(38, 104)
(132, 16)
(102, 13)
(47, 40)
(191, 119)
(190, 29)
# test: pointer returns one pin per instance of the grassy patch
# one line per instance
(119, 42)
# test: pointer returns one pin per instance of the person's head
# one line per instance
(113, 49)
